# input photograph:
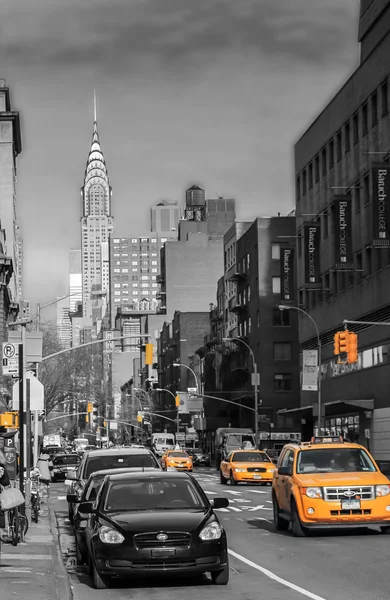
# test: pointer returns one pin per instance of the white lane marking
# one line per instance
(222, 509)
(235, 508)
(26, 557)
(16, 571)
(259, 519)
(258, 492)
(240, 500)
(231, 492)
(61, 497)
(207, 492)
(259, 507)
(271, 575)
(269, 501)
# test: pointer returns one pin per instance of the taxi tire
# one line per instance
(232, 480)
(222, 479)
(280, 523)
(297, 528)
(221, 577)
(385, 529)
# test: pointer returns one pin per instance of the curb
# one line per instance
(64, 589)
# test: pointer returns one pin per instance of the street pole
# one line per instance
(21, 417)
(256, 403)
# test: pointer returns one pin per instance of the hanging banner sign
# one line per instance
(310, 370)
(287, 273)
(311, 241)
(343, 232)
(380, 176)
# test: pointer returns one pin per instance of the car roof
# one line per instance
(122, 470)
(118, 451)
(148, 475)
(313, 446)
(68, 454)
(250, 450)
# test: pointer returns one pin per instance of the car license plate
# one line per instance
(256, 476)
(350, 504)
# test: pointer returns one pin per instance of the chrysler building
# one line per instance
(96, 222)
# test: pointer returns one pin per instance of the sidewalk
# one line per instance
(34, 570)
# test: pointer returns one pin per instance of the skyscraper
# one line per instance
(64, 326)
(75, 279)
(96, 222)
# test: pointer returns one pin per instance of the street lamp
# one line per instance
(255, 383)
(192, 371)
(174, 397)
(287, 307)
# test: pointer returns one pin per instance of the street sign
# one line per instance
(109, 344)
(33, 344)
(10, 358)
(255, 379)
(36, 394)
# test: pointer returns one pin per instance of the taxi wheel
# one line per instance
(232, 480)
(280, 524)
(385, 529)
(222, 479)
(297, 527)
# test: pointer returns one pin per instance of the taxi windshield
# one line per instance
(334, 460)
(250, 457)
(178, 455)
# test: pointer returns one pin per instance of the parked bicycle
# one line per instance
(35, 494)
(15, 522)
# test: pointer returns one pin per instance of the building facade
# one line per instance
(64, 325)
(164, 219)
(342, 170)
(96, 221)
(75, 279)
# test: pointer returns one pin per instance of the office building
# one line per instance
(75, 279)
(64, 326)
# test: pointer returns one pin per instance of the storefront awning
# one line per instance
(364, 404)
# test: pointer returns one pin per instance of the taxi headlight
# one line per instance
(271, 470)
(212, 531)
(382, 490)
(314, 492)
(109, 535)
(240, 470)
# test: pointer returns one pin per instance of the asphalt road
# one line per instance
(339, 565)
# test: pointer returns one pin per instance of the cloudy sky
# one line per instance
(213, 92)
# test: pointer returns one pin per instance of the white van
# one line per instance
(161, 442)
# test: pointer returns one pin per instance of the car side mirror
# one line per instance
(86, 508)
(73, 498)
(72, 476)
(220, 503)
(284, 471)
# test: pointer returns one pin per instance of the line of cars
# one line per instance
(131, 517)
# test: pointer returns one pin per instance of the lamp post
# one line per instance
(177, 414)
(255, 384)
(192, 371)
(319, 403)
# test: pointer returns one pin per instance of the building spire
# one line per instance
(94, 107)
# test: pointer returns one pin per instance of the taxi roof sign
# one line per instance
(321, 439)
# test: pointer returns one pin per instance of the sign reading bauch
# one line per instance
(380, 205)
(343, 232)
(311, 240)
(287, 274)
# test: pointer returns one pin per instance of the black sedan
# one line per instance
(63, 464)
(153, 523)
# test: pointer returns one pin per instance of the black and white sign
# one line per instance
(10, 358)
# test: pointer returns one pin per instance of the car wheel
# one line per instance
(385, 529)
(221, 577)
(297, 528)
(222, 479)
(79, 556)
(99, 582)
(280, 523)
(232, 480)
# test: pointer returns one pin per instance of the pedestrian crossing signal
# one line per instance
(177, 401)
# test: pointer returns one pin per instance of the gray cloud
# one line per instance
(124, 35)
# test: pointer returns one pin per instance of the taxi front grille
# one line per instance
(256, 470)
(336, 494)
(349, 513)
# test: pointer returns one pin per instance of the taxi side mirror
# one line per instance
(284, 471)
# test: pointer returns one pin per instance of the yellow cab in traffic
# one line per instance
(178, 459)
(250, 466)
(328, 483)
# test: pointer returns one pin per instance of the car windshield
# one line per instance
(119, 461)
(164, 441)
(332, 460)
(69, 459)
(153, 495)
(178, 455)
(250, 457)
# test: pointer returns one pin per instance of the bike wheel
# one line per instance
(14, 525)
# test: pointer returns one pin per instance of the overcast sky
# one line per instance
(213, 92)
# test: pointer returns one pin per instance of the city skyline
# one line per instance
(233, 140)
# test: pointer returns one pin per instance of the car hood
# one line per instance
(266, 465)
(161, 520)
(342, 479)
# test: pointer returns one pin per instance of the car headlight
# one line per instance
(314, 492)
(271, 470)
(213, 531)
(83, 523)
(382, 490)
(108, 535)
(240, 470)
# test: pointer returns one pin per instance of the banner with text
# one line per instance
(343, 232)
(287, 268)
(380, 175)
(310, 370)
(311, 241)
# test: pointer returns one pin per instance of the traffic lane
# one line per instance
(244, 580)
(329, 564)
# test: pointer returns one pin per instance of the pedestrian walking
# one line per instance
(45, 466)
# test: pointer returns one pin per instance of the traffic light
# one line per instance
(9, 420)
(336, 345)
(343, 341)
(352, 348)
(140, 417)
(90, 407)
(148, 354)
(177, 401)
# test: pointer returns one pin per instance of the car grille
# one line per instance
(349, 513)
(256, 470)
(171, 563)
(175, 539)
(336, 494)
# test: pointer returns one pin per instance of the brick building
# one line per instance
(336, 162)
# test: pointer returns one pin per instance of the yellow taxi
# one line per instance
(328, 483)
(178, 459)
(246, 466)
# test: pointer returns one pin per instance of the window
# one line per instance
(310, 176)
(385, 106)
(283, 382)
(134, 241)
(357, 191)
(117, 270)
(117, 285)
(298, 188)
(338, 145)
(331, 153)
(249, 325)
(317, 169)
(117, 293)
(276, 251)
(355, 125)
(153, 241)
(366, 189)
(280, 318)
(303, 183)
(359, 262)
(282, 351)
(325, 227)
(347, 137)
(276, 285)
(125, 270)
(374, 109)
(154, 262)
(365, 118)
(323, 161)
(134, 263)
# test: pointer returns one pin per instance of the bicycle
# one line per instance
(15, 524)
(35, 497)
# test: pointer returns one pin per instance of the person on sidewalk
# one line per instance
(4, 483)
(45, 466)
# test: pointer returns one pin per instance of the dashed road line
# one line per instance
(275, 577)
